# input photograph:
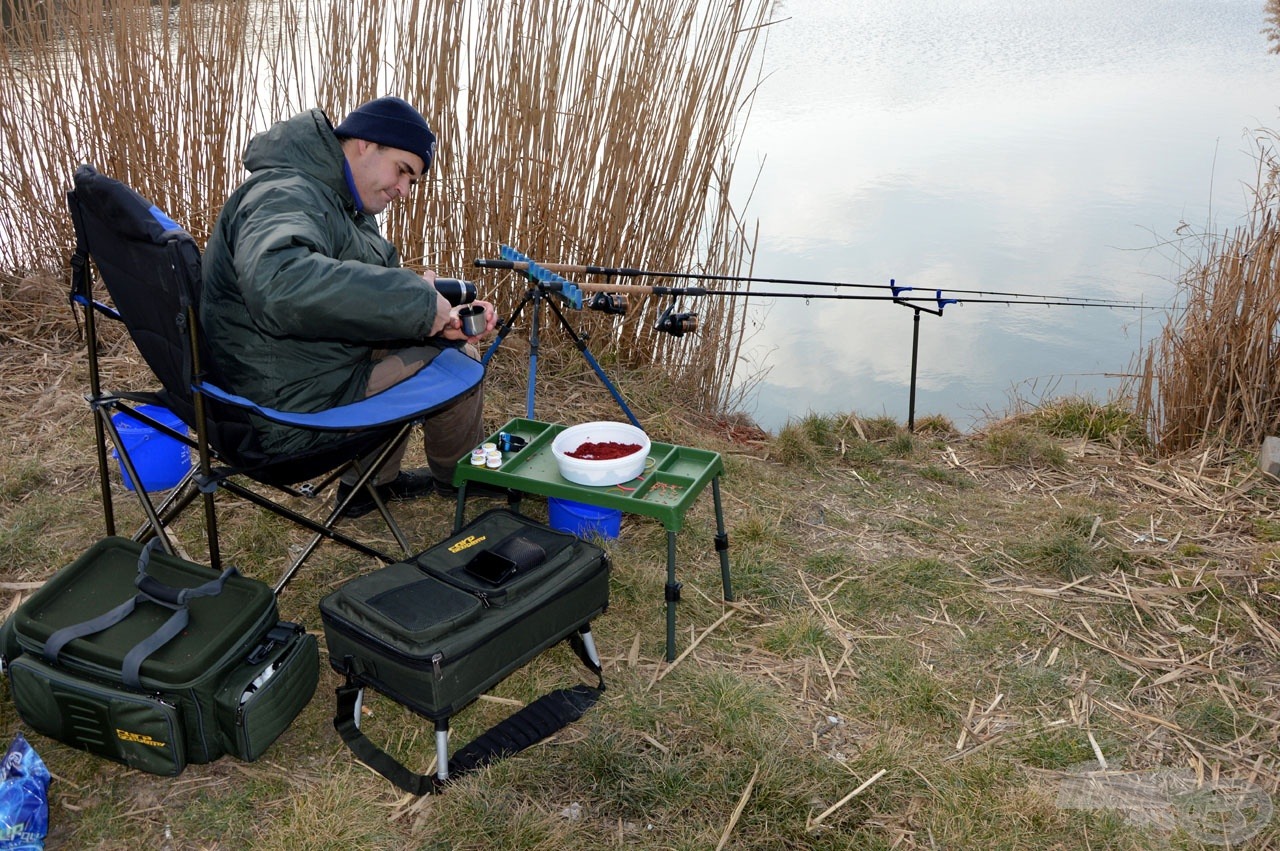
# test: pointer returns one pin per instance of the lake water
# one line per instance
(1073, 149)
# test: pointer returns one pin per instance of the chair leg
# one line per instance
(104, 476)
(392, 525)
(366, 477)
(182, 495)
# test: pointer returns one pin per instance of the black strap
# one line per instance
(346, 722)
(131, 668)
(60, 638)
(149, 590)
(530, 725)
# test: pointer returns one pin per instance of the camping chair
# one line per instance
(150, 267)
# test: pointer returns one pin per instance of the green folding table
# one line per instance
(673, 478)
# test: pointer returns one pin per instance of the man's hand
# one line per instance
(446, 318)
(447, 324)
(453, 328)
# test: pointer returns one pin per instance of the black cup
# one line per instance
(472, 317)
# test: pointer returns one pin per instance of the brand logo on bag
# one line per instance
(139, 739)
(467, 543)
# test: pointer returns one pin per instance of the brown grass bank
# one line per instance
(954, 627)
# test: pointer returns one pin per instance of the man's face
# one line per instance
(381, 174)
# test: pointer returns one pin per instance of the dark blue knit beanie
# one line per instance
(391, 121)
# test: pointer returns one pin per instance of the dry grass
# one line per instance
(586, 132)
(1272, 30)
(1178, 587)
(931, 637)
(1214, 374)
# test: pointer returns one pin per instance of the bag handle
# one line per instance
(152, 590)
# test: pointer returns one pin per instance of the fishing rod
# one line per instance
(939, 297)
(622, 272)
(612, 298)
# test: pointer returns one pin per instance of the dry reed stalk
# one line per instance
(1213, 374)
(156, 94)
(818, 819)
(737, 811)
(662, 670)
(575, 131)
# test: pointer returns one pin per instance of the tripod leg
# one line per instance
(581, 342)
(534, 342)
(505, 328)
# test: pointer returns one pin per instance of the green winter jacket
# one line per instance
(300, 287)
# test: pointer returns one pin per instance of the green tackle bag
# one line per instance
(436, 632)
(152, 661)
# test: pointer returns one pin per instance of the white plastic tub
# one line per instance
(600, 473)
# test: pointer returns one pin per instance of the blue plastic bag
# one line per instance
(24, 801)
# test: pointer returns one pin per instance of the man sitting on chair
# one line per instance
(305, 305)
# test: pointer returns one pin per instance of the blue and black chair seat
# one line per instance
(150, 268)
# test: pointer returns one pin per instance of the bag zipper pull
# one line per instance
(437, 660)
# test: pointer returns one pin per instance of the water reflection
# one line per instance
(1017, 146)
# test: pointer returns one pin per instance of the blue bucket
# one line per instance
(583, 520)
(161, 461)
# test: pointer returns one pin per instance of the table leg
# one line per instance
(722, 541)
(460, 513)
(673, 595)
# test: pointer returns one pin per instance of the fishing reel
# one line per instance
(614, 304)
(676, 324)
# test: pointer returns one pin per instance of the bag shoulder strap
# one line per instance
(528, 726)
(347, 722)
(535, 722)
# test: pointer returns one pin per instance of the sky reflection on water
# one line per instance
(1028, 146)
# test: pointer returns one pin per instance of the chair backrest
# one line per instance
(150, 267)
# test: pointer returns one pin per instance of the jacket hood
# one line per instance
(302, 143)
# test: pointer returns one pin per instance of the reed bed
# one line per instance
(574, 131)
(1214, 373)
(1272, 29)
